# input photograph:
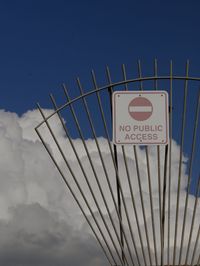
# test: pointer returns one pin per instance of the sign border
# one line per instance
(139, 92)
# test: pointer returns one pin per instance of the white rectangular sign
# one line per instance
(140, 117)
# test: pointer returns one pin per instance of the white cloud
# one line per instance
(40, 223)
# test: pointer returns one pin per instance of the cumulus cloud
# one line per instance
(40, 223)
(37, 236)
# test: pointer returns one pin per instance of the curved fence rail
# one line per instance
(141, 202)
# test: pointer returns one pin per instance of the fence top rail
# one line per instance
(114, 84)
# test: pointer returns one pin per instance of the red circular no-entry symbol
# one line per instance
(140, 108)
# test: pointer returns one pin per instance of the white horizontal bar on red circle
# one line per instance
(140, 108)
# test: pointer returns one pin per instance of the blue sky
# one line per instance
(45, 43)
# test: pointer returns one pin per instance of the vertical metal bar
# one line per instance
(190, 174)
(180, 162)
(195, 247)
(163, 205)
(193, 219)
(158, 158)
(137, 221)
(151, 204)
(198, 262)
(77, 201)
(170, 162)
(117, 182)
(142, 202)
(89, 185)
(149, 179)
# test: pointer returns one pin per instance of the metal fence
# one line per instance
(141, 202)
